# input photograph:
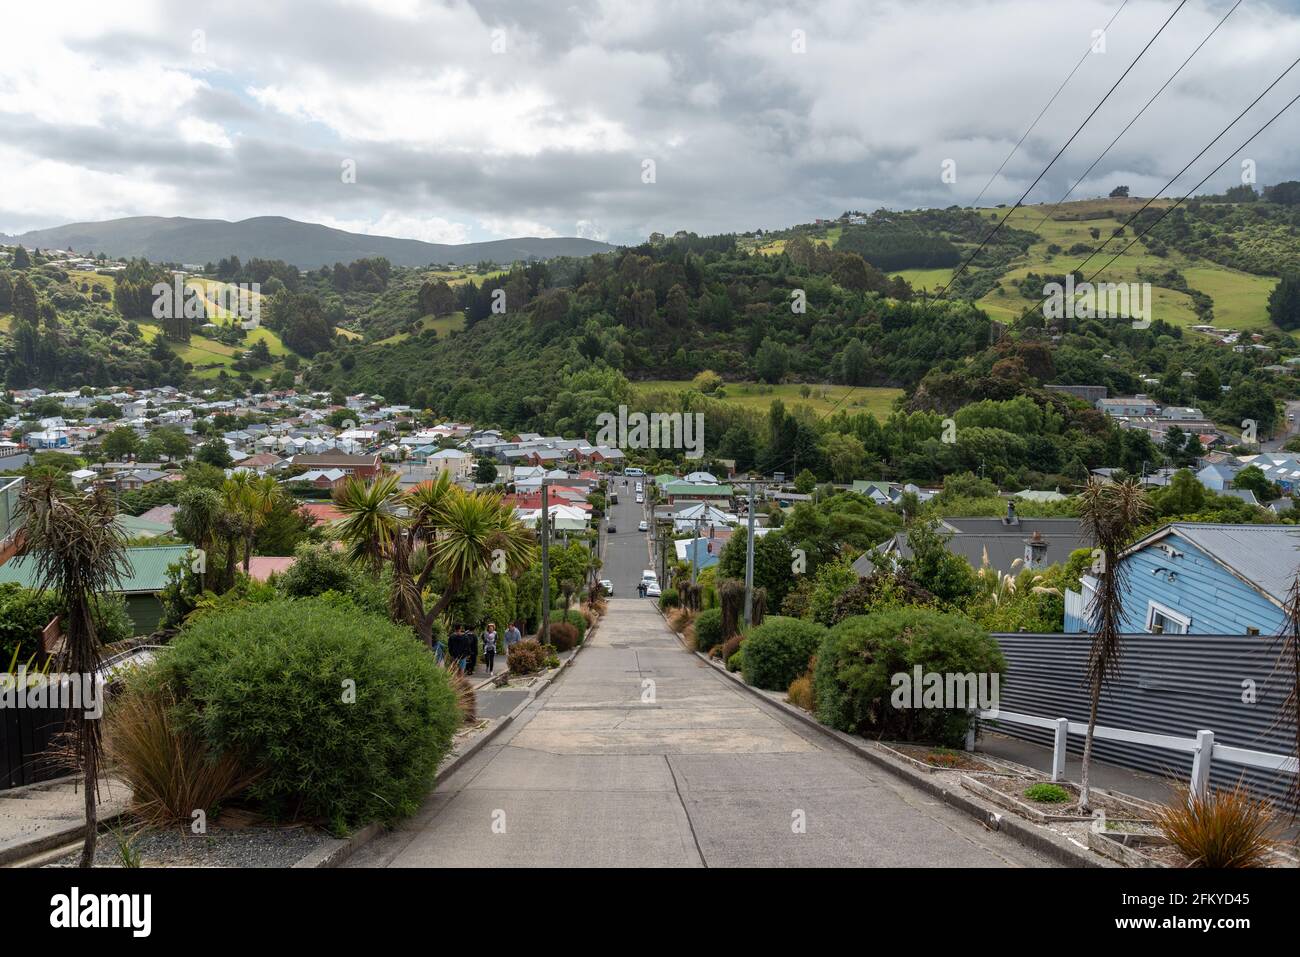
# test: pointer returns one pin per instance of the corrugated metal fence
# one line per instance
(1168, 684)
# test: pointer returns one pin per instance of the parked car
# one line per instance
(652, 590)
(608, 586)
(643, 527)
(610, 529)
(640, 499)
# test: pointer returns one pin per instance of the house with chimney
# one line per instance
(1010, 544)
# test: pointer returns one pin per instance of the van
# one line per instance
(634, 471)
(649, 575)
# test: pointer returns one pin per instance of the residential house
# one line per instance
(1191, 578)
(146, 576)
(360, 466)
(1010, 543)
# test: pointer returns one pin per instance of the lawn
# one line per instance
(759, 396)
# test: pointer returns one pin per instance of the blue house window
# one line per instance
(1163, 620)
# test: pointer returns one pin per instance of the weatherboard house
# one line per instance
(1191, 578)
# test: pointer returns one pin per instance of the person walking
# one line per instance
(456, 646)
(471, 650)
(490, 646)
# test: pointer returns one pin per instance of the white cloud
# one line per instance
(430, 229)
(548, 136)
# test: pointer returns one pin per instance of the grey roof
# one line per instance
(1265, 556)
(973, 538)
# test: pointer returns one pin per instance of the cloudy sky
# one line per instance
(477, 120)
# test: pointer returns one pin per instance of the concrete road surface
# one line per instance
(641, 755)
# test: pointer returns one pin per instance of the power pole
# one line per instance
(749, 560)
(695, 555)
(546, 563)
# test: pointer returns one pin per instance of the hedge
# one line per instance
(777, 651)
(708, 629)
(345, 714)
(857, 660)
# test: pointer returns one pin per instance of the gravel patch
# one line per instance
(241, 847)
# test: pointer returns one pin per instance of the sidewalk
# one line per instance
(45, 815)
(1106, 776)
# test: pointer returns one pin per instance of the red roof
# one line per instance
(322, 511)
(261, 567)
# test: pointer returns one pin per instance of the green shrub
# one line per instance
(777, 651)
(578, 621)
(669, 598)
(1047, 793)
(859, 657)
(526, 657)
(345, 714)
(24, 613)
(564, 636)
(737, 661)
(708, 629)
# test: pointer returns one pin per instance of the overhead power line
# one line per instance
(1104, 153)
(1021, 200)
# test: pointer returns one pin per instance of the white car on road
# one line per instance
(643, 527)
(607, 585)
(652, 589)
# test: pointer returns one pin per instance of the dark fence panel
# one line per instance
(1168, 684)
(25, 736)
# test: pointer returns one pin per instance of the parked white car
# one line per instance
(652, 590)
(607, 585)
(643, 527)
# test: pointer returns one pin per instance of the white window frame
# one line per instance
(1164, 611)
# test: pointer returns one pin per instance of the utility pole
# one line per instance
(749, 560)
(546, 562)
(695, 555)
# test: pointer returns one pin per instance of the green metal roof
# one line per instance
(134, 526)
(147, 568)
(691, 488)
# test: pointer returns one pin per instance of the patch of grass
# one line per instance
(758, 396)
(1047, 793)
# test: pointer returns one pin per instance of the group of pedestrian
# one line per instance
(464, 645)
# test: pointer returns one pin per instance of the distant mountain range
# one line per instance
(306, 245)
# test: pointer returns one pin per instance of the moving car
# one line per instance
(643, 527)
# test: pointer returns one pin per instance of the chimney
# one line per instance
(1035, 551)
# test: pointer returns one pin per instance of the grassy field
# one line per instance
(1240, 299)
(759, 396)
(444, 324)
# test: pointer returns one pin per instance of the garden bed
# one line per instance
(1008, 792)
(1134, 848)
(930, 759)
(220, 847)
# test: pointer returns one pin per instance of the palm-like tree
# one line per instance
(260, 497)
(79, 551)
(370, 520)
(435, 527)
(474, 530)
(1109, 513)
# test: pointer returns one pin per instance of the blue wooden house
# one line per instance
(1192, 578)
